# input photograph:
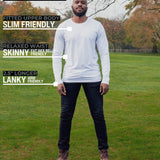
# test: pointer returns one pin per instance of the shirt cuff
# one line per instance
(105, 82)
(60, 81)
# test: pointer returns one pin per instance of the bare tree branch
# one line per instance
(102, 9)
(95, 6)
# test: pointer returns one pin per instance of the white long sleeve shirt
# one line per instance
(79, 45)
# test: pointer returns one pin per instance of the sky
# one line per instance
(115, 11)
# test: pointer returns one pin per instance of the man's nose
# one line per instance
(79, 4)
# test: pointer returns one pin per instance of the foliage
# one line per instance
(115, 32)
(147, 4)
(143, 26)
(26, 8)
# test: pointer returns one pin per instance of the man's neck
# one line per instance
(77, 19)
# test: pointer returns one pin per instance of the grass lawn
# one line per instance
(29, 115)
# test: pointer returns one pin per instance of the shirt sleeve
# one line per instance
(57, 53)
(102, 46)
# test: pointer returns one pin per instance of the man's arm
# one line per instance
(102, 45)
(57, 60)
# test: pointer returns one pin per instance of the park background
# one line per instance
(29, 115)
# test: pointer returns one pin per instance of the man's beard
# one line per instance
(79, 14)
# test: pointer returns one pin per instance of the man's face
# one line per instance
(79, 7)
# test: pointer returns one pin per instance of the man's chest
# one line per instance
(78, 34)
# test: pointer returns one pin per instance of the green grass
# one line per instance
(29, 115)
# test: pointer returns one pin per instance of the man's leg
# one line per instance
(68, 103)
(95, 101)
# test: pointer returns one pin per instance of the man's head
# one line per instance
(79, 7)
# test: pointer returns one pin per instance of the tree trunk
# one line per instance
(154, 49)
(114, 47)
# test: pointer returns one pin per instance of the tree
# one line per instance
(143, 26)
(145, 4)
(3, 5)
(24, 8)
(115, 32)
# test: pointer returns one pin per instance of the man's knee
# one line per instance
(66, 115)
(98, 115)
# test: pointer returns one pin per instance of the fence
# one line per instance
(133, 50)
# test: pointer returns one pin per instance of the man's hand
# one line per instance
(103, 88)
(61, 89)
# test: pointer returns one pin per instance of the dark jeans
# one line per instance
(68, 103)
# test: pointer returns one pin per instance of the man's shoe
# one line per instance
(63, 154)
(104, 154)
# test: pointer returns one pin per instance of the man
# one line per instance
(81, 68)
